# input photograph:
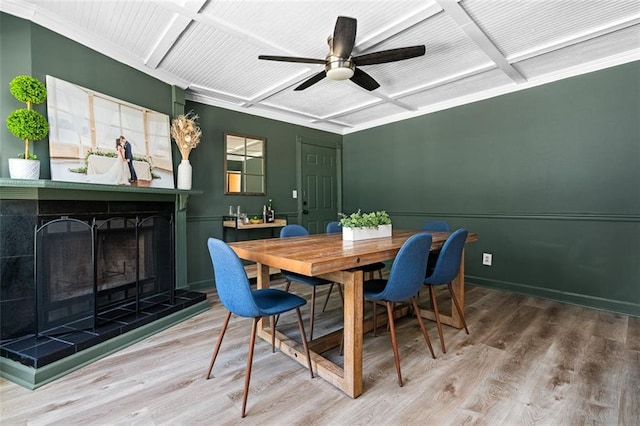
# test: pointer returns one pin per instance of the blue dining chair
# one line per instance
(236, 295)
(445, 270)
(297, 231)
(405, 280)
(333, 228)
(435, 226)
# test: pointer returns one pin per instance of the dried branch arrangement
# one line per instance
(186, 133)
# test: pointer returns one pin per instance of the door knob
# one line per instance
(305, 211)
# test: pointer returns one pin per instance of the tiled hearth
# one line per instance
(71, 338)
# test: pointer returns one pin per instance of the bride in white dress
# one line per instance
(118, 174)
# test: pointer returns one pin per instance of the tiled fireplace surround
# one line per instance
(24, 340)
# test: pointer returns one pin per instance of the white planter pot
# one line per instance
(184, 175)
(20, 168)
(356, 234)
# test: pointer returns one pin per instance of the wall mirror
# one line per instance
(244, 166)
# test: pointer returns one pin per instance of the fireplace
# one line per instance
(79, 274)
(92, 272)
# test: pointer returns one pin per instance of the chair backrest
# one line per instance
(231, 279)
(408, 269)
(293, 231)
(448, 263)
(334, 227)
(436, 226)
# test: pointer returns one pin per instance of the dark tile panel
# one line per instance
(80, 339)
(17, 318)
(17, 235)
(72, 207)
(18, 207)
(140, 207)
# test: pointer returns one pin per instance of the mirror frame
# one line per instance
(243, 173)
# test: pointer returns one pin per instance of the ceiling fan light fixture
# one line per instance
(340, 73)
(339, 69)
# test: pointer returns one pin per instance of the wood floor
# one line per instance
(526, 361)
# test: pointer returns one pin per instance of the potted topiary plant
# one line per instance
(362, 226)
(27, 124)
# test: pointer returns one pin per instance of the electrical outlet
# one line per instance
(487, 258)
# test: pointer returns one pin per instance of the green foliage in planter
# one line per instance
(26, 123)
(28, 90)
(365, 220)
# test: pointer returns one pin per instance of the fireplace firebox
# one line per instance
(92, 272)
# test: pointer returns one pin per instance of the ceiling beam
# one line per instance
(576, 38)
(167, 40)
(468, 25)
(397, 27)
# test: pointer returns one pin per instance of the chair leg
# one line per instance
(218, 343)
(414, 302)
(455, 302)
(286, 288)
(434, 302)
(247, 376)
(394, 341)
(273, 333)
(375, 319)
(326, 300)
(305, 345)
(313, 308)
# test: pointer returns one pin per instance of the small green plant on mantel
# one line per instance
(365, 220)
(26, 123)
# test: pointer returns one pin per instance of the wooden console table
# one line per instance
(233, 222)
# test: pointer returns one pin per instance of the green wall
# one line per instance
(548, 177)
(15, 59)
(205, 211)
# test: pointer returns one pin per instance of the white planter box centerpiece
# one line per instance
(355, 234)
(363, 226)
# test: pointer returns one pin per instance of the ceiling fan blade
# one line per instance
(344, 36)
(292, 59)
(311, 81)
(364, 80)
(390, 55)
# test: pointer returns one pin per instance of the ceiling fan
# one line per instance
(340, 65)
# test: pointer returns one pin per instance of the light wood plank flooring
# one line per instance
(527, 361)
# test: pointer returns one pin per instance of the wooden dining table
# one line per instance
(328, 256)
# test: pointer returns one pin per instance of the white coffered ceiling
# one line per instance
(475, 49)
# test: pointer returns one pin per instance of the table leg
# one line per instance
(262, 281)
(353, 318)
(349, 377)
(458, 289)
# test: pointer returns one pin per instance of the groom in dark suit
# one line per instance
(128, 155)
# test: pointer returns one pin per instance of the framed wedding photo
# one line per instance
(95, 138)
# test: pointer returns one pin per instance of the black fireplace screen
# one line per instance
(101, 270)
